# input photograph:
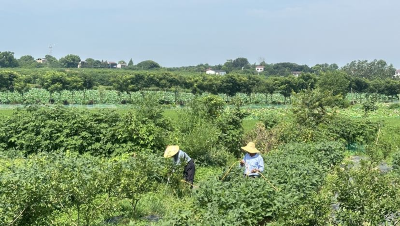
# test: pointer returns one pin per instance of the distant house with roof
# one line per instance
(41, 60)
(112, 64)
(296, 73)
(81, 64)
(397, 74)
(260, 68)
(121, 65)
(210, 71)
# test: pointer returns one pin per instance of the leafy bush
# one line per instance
(394, 106)
(310, 107)
(103, 132)
(264, 139)
(370, 104)
(396, 161)
(366, 196)
(45, 188)
(209, 133)
(292, 176)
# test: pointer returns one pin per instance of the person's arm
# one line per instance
(261, 164)
(242, 162)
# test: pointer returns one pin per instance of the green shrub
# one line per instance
(69, 188)
(366, 196)
(103, 132)
(394, 106)
(396, 161)
(292, 177)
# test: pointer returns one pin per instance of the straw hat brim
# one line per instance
(250, 149)
(171, 150)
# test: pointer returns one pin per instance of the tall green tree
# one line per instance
(376, 69)
(240, 63)
(336, 82)
(7, 80)
(130, 63)
(70, 61)
(55, 81)
(28, 61)
(52, 61)
(148, 65)
(89, 62)
(7, 59)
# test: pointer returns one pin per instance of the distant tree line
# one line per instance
(376, 69)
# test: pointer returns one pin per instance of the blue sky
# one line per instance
(190, 32)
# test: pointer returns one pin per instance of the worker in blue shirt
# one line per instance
(252, 161)
(179, 157)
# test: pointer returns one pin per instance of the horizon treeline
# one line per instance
(358, 68)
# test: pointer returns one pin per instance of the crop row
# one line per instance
(42, 96)
(84, 97)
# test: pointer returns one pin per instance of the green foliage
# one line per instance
(366, 196)
(295, 170)
(396, 162)
(52, 62)
(394, 106)
(73, 189)
(376, 69)
(204, 129)
(350, 130)
(209, 107)
(310, 107)
(8, 60)
(7, 80)
(240, 63)
(104, 132)
(336, 82)
(28, 61)
(230, 125)
(370, 104)
(147, 65)
(70, 61)
(130, 63)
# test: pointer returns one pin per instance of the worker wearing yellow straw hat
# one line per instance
(179, 157)
(252, 161)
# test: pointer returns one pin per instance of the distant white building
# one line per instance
(81, 64)
(397, 74)
(260, 68)
(215, 72)
(296, 73)
(121, 65)
(41, 60)
(220, 72)
(210, 71)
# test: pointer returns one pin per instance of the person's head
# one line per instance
(171, 150)
(251, 149)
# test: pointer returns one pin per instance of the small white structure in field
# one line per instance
(210, 71)
(215, 72)
(397, 74)
(41, 60)
(260, 68)
(121, 65)
(296, 73)
(220, 72)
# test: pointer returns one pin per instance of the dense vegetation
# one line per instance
(331, 156)
(66, 166)
(121, 86)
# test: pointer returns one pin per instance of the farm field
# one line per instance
(105, 167)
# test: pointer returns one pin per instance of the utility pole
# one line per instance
(51, 49)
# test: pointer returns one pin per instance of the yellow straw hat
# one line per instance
(171, 151)
(251, 148)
